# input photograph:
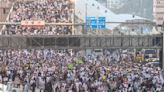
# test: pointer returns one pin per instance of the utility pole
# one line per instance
(162, 29)
(86, 5)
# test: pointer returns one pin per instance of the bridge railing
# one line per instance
(80, 41)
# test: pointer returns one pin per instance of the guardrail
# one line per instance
(80, 41)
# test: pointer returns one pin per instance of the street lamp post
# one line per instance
(73, 22)
(160, 28)
(162, 50)
(86, 6)
(86, 17)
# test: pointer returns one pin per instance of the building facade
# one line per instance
(114, 4)
(158, 9)
(111, 3)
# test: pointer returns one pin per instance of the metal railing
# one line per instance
(80, 42)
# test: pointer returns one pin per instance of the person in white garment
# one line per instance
(42, 84)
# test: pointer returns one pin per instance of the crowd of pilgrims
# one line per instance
(48, 71)
(50, 11)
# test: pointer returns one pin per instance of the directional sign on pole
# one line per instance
(93, 22)
(101, 22)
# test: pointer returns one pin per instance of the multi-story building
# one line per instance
(114, 3)
(111, 3)
(158, 9)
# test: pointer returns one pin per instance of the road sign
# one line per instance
(93, 22)
(101, 22)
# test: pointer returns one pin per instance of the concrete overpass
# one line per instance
(80, 41)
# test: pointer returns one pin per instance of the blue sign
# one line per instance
(93, 22)
(101, 22)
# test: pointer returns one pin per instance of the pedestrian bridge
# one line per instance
(81, 41)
